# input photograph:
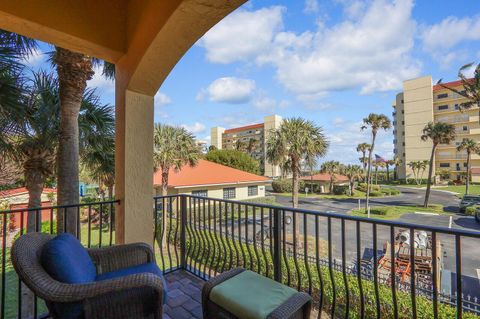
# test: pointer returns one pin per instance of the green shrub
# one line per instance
(376, 194)
(379, 211)
(363, 187)
(341, 190)
(471, 210)
(285, 186)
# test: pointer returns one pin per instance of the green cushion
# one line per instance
(249, 295)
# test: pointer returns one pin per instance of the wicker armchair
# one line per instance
(132, 296)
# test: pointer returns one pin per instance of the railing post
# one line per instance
(277, 245)
(183, 225)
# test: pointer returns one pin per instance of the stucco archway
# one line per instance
(145, 39)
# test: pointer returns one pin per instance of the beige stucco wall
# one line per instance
(216, 191)
(271, 122)
(216, 136)
(418, 106)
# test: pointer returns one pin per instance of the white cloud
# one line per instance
(99, 81)
(343, 144)
(195, 128)
(242, 35)
(161, 99)
(441, 39)
(450, 32)
(264, 103)
(311, 6)
(35, 58)
(229, 90)
(370, 50)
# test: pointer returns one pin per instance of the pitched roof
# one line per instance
(207, 173)
(438, 87)
(323, 177)
(244, 128)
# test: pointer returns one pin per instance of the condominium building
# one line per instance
(250, 139)
(422, 102)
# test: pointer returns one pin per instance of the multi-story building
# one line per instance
(251, 139)
(422, 102)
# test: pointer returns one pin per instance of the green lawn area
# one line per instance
(357, 195)
(395, 212)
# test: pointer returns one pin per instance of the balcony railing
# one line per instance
(346, 263)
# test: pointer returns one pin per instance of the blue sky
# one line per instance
(330, 61)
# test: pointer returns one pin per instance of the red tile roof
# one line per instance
(22, 190)
(244, 128)
(438, 87)
(207, 173)
(323, 177)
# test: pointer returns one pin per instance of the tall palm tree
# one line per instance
(353, 172)
(364, 148)
(332, 168)
(377, 165)
(395, 162)
(376, 122)
(414, 166)
(439, 133)
(174, 147)
(470, 146)
(295, 140)
(471, 87)
(389, 163)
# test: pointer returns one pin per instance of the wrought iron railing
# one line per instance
(94, 227)
(346, 263)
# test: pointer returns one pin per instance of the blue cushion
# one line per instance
(144, 268)
(66, 260)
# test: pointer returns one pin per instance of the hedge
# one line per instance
(285, 185)
(220, 253)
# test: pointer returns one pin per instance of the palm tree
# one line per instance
(294, 141)
(240, 145)
(414, 166)
(395, 162)
(331, 168)
(471, 87)
(470, 146)
(353, 172)
(422, 167)
(377, 164)
(439, 133)
(364, 148)
(174, 147)
(375, 122)
(389, 163)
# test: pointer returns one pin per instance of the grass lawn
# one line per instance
(395, 212)
(357, 195)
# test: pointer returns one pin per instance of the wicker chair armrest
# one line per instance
(212, 282)
(292, 305)
(122, 256)
(61, 292)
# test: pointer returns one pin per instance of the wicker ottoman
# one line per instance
(243, 294)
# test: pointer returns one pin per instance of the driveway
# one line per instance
(409, 197)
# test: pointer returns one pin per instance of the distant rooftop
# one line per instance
(324, 177)
(452, 84)
(244, 128)
(207, 173)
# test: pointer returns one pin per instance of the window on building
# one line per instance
(200, 193)
(464, 164)
(229, 193)
(403, 133)
(403, 122)
(403, 143)
(402, 101)
(403, 112)
(465, 128)
(252, 190)
(403, 154)
(442, 96)
(444, 164)
(443, 107)
(457, 107)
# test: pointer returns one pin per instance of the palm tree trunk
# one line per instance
(376, 172)
(294, 184)
(74, 69)
(165, 181)
(331, 184)
(388, 173)
(467, 183)
(369, 172)
(429, 181)
(34, 182)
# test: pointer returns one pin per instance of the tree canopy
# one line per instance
(235, 159)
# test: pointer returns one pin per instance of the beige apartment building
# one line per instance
(422, 102)
(251, 139)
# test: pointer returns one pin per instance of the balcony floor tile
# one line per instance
(184, 296)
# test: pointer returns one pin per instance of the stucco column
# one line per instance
(134, 166)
